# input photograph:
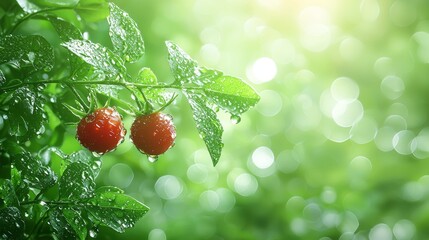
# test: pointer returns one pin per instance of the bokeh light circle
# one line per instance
(168, 187)
(392, 87)
(344, 89)
(346, 113)
(262, 70)
(121, 175)
(245, 184)
(381, 232)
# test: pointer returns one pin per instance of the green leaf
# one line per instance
(12, 13)
(7, 193)
(125, 34)
(77, 182)
(59, 223)
(231, 94)
(114, 209)
(68, 32)
(12, 225)
(185, 69)
(86, 157)
(208, 125)
(154, 95)
(65, 30)
(93, 10)
(4, 5)
(98, 56)
(55, 3)
(76, 221)
(28, 6)
(20, 187)
(30, 50)
(34, 171)
(26, 105)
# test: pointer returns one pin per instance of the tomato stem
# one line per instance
(78, 97)
(148, 106)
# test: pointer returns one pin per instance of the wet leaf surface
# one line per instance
(11, 224)
(125, 34)
(23, 51)
(208, 126)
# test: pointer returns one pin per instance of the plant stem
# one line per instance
(34, 14)
(149, 107)
(79, 98)
(36, 227)
(115, 83)
(48, 202)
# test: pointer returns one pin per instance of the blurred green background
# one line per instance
(338, 146)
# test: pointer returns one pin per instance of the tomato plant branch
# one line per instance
(41, 202)
(114, 83)
(25, 18)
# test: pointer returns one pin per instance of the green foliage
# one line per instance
(34, 172)
(29, 51)
(47, 79)
(11, 223)
(98, 56)
(208, 125)
(125, 35)
(110, 207)
(26, 104)
(228, 93)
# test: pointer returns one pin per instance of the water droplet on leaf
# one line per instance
(235, 119)
(93, 232)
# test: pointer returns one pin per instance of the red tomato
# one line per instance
(153, 134)
(101, 131)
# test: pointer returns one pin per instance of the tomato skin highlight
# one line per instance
(153, 134)
(101, 131)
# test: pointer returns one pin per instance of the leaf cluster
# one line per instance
(64, 194)
(46, 85)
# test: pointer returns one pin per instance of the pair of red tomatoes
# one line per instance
(102, 131)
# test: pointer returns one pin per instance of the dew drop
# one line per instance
(90, 118)
(41, 130)
(96, 154)
(93, 232)
(235, 119)
(152, 158)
